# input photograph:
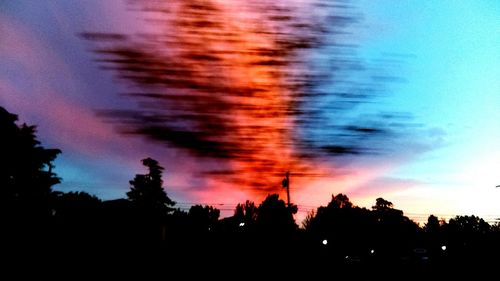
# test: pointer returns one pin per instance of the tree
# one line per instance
(340, 201)
(467, 226)
(274, 216)
(382, 204)
(76, 205)
(77, 215)
(246, 213)
(469, 238)
(306, 223)
(394, 232)
(433, 225)
(203, 218)
(146, 191)
(345, 225)
(26, 176)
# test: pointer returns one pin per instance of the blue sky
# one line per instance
(451, 67)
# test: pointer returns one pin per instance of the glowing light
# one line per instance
(443, 248)
(372, 251)
(242, 224)
(232, 89)
(324, 242)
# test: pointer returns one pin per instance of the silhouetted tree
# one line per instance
(433, 235)
(346, 227)
(178, 221)
(274, 216)
(203, 218)
(242, 221)
(469, 225)
(151, 206)
(77, 215)
(26, 176)
(465, 229)
(394, 233)
(382, 204)
(340, 201)
(306, 223)
(147, 192)
(77, 204)
(433, 225)
(496, 227)
(246, 213)
(468, 239)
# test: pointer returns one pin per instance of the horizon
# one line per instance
(436, 76)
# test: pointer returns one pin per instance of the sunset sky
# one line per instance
(439, 63)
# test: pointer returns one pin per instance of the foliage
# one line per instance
(433, 224)
(76, 222)
(340, 201)
(467, 226)
(77, 204)
(246, 213)
(306, 223)
(274, 216)
(146, 191)
(203, 218)
(26, 176)
(382, 204)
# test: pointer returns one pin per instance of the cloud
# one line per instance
(260, 91)
(227, 108)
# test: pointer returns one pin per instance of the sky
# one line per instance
(437, 64)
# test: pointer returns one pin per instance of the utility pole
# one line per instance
(286, 184)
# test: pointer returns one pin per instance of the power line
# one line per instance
(417, 217)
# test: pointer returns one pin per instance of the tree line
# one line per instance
(38, 220)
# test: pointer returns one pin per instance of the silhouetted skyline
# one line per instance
(78, 230)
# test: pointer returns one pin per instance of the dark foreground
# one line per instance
(205, 257)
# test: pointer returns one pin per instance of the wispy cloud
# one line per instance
(226, 96)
